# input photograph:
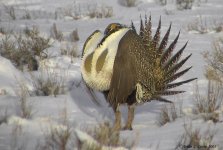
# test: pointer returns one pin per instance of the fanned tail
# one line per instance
(156, 38)
(141, 32)
(174, 59)
(177, 75)
(161, 99)
(173, 85)
(148, 30)
(164, 42)
(170, 49)
(177, 66)
(133, 27)
(166, 65)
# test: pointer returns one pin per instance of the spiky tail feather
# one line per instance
(168, 64)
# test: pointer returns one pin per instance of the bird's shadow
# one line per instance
(100, 110)
(149, 107)
(103, 111)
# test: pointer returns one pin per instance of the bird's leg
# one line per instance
(117, 125)
(131, 110)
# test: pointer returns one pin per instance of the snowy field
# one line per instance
(28, 117)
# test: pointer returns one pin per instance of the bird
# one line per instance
(132, 68)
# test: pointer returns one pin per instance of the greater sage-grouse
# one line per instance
(132, 68)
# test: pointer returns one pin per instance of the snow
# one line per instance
(89, 140)
(80, 110)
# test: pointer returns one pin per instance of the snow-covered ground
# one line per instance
(76, 106)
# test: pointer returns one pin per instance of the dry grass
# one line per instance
(162, 2)
(100, 12)
(184, 4)
(202, 26)
(70, 51)
(48, 83)
(27, 15)
(16, 137)
(24, 50)
(25, 107)
(218, 25)
(38, 44)
(128, 3)
(199, 25)
(10, 10)
(8, 47)
(88, 10)
(57, 138)
(169, 113)
(3, 116)
(194, 139)
(105, 135)
(73, 13)
(208, 106)
(5, 31)
(74, 37)
(214, 58)
(55, 33)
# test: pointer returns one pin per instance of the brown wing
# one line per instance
(124, 70)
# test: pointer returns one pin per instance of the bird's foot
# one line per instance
(127, 127)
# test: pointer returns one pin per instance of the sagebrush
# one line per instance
(195, 139)
(169, 113)
(24, 50)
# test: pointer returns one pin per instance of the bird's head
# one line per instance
(113, 27)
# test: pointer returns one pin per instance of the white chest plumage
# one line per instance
(100, 79)
(86, 60)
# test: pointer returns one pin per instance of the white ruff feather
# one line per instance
(101, 80)
(90, 48)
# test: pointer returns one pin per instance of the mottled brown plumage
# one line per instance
(143, 68)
